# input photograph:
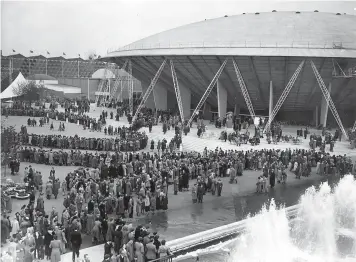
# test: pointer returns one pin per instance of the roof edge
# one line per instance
(231, 51)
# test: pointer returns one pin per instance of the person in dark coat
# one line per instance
(55, 189)
(107, 248)
(47, 241)
(118, 239)
(39, 242)
(76, 240)
(272, 179)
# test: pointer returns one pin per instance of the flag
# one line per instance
(13, 50)
(48, 53)
(99, 57)
(64, 53)
(31, 51)
(79, 55)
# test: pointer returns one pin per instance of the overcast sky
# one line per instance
(81, 27)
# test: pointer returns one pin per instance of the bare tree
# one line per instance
(8, 140)
(28, 91)
(91, 55)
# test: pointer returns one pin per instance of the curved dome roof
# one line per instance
(274, 30)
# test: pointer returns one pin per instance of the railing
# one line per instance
(241, 44)
(216, 235)
(164, 259)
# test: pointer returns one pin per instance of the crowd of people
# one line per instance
(125, 140)
(112, 185)
(71, 117)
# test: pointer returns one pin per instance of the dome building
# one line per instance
(267, 49)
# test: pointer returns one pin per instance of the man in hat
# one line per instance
(219, 185)
(40, 203)
(107, 258)
(151, 251)
(76, 240)
(156, 242)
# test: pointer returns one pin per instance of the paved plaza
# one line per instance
(183, 217)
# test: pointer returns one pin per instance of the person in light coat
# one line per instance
(15, 226)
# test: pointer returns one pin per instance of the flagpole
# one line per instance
(29, 66)
(10, 70)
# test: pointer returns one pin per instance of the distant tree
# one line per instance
(8, 140)
(29, 91)
(92, 55)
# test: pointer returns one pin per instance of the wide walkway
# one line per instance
(183, 217)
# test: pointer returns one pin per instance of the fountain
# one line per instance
(323, 229)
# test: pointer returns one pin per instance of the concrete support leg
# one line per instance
(150, 101)
(207, 111)
(222, 99)
(186, 97)
(160, 96)
(270, 107)
(316, 116)
(172, 101)
(324, 109)
(237, 110)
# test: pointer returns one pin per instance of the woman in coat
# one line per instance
(47, 242)
(56, 249)
(49, 189)
(117, 239)
(130, 250)
(139, 250)
(59, 234)
(96, 231)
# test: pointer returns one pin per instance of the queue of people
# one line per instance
(127, 141)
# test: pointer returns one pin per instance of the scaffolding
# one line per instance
(338, 72)
(103, 92)
(118, 81)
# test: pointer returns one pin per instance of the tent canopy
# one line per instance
(9, 92)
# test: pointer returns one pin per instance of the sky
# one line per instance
(84, 27)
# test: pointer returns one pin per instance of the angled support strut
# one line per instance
(149, 89)
(284, 95)
(328, 99)
(244, 90)
(130, 87)
(207, 91)
(177, 91)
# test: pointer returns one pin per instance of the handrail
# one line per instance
(242, 44)
(222, 232)
(164, 259)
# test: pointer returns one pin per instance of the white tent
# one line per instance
(9, 92)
